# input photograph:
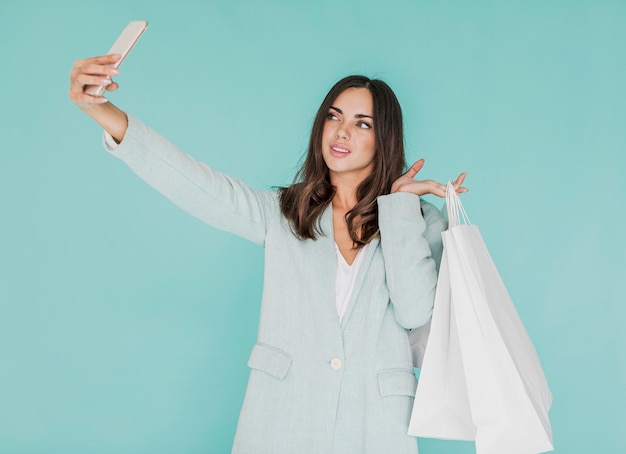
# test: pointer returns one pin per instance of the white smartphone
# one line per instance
(122, 46)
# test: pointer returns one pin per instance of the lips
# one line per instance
(339, 150)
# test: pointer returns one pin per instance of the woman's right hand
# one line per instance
(408, 183)
(92, 71)
(98, 71)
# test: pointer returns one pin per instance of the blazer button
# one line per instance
(335, 363)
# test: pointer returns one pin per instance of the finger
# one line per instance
(458, 184)
(459, 181)
(439, 190)
(85, 79)
(86, 99)
(98, 99)
(112, 86)
(416, 167)
(436, 188)
(99, 60)
(98, 70)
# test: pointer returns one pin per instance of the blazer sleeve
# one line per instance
(435, 224)
(216, 199)
(410, 269)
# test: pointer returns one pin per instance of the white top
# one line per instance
(346, 278)
(346, 274)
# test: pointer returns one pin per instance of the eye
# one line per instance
(364, 125)
(331, 116)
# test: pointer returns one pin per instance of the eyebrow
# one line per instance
(356, 116)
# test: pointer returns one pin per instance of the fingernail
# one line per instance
(103, 100)
(116, 56)
(114, 71)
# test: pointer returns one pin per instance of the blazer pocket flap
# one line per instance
(270, 360)
(397, 382)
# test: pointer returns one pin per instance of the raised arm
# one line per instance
(217, 199)
(410, 231)
(410, 269)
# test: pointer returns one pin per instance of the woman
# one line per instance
(350, 253)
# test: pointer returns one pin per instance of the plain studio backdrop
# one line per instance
(125, 324)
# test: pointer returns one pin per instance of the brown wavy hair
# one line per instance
(305, 200)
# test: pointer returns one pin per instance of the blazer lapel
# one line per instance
(328, 264)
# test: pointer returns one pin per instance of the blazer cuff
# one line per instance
(115, 148)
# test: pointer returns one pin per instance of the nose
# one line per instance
(342, 133)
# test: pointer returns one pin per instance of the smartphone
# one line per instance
(122, 46)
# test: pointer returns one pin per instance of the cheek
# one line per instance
(370, 145)
(327, 132)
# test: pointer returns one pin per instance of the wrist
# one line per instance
(111, 118)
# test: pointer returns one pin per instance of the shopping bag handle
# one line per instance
(456, 212)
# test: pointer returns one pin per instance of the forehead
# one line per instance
(355, 101)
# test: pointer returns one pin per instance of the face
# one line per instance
(348, 140)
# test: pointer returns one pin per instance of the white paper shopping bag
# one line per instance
(441, 396)
(479, 364)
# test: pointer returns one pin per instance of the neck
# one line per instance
(345, 192)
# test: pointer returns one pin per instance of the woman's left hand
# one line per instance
(408, 183)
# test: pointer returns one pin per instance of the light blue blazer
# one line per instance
(316, 385)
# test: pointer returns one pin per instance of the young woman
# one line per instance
(350, 266)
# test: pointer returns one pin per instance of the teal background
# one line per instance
(125, 324)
